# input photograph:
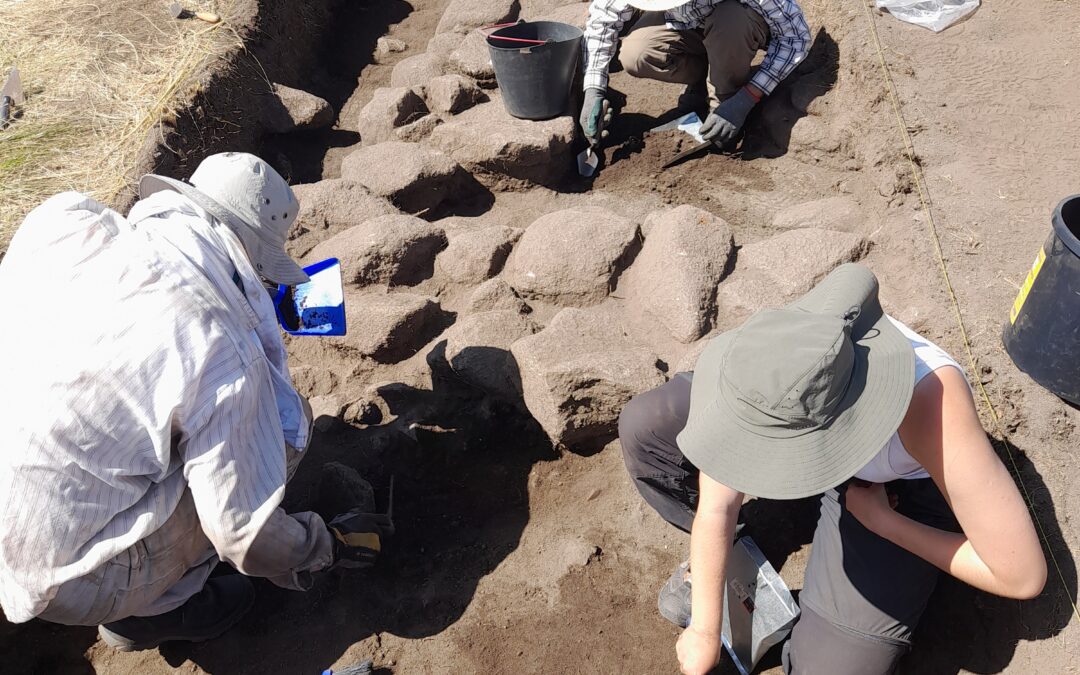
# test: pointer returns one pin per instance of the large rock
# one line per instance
(452, 94)
(575, 14)
(478, 351)
(831, 213)
(385, 46)
(329, 207)
(572, 257)
(462, 16)
(674, 278)
(395, 250)
(476, 255)
(504, 152)
(388, 109)
(414, 177)
(389, 327)
(578, 373)
(496, 294)
(775, 271)
(414, 132)
(470, 57)
(293, 110)
(416, 71)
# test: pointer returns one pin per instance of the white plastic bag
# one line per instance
(937, 15)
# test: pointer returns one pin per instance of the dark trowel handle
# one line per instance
(688, 153)
(5, 111)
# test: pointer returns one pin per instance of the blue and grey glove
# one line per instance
(723, 124)
(595, 115)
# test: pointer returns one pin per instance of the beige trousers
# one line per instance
(724, 48)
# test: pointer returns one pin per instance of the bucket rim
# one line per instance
(580, 34)
(1061, 229)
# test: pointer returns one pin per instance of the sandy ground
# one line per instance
(512, 558)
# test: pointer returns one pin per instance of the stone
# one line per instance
(673, 280)
(394, 250)
(389, 327)
(476, 255)
(478, 351)
(364, 412)
(688, 361)
(388, 109)
(342, 489)
(413, 177)
(452, 94)
(832, 213)
(472, 58)
(504, 152)
(312, 381)
(572, 257)
(329, 207)
(578, 373)
(416, 71)
(496, 294)
(775, 271)
(387, 45)
(414, 132)
(295, 110)
(326, 410)
(462, 16)
(575, 14)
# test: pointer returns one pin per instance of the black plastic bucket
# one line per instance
(535, 63)
(1043, 333)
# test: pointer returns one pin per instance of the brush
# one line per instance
(362, 668)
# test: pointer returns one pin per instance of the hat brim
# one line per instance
(805, 463)
(656, 5)
(276, 265)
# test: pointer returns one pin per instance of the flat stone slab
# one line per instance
(572, 257)
(394, 250)
(413, 177)
(504, 152)
(674, 279)
(578, 373)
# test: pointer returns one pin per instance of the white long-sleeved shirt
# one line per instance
(789, 36)
(134, 367)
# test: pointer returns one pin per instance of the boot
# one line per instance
(207, 614)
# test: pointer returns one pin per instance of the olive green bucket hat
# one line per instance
(797, 400)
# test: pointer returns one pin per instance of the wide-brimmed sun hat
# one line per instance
(656, 5)
(797, 400)
(251, 199)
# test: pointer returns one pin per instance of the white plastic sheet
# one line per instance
(937, 15)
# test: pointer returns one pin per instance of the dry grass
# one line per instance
(97, 76)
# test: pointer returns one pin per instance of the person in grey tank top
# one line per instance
(830, 396)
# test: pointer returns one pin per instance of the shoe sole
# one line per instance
(122, 644)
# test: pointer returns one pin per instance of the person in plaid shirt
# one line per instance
(683, 41)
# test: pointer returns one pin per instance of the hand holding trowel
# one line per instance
(595, 117)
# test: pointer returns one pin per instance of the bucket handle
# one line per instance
(496, 26)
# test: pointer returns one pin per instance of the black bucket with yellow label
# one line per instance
(1043, 333)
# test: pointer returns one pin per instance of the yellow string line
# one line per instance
(924, 199)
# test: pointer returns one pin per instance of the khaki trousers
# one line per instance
(723, 48)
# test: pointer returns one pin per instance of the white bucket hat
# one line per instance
(251, 199)
(656, 5)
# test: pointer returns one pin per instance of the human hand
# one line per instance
(358, 538)
(870, 505)
(723, 124)
(595, 115)
(698, 651)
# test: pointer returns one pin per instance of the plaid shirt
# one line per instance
(789, 36)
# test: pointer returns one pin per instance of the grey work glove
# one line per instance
(595, 115)
(723, 124)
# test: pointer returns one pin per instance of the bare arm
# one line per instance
(711, 539)
(999, 551)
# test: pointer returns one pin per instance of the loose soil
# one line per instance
(511, 557)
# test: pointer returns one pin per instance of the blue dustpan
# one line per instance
(316, 307)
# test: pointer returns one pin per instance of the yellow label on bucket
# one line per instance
(1021, 297)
